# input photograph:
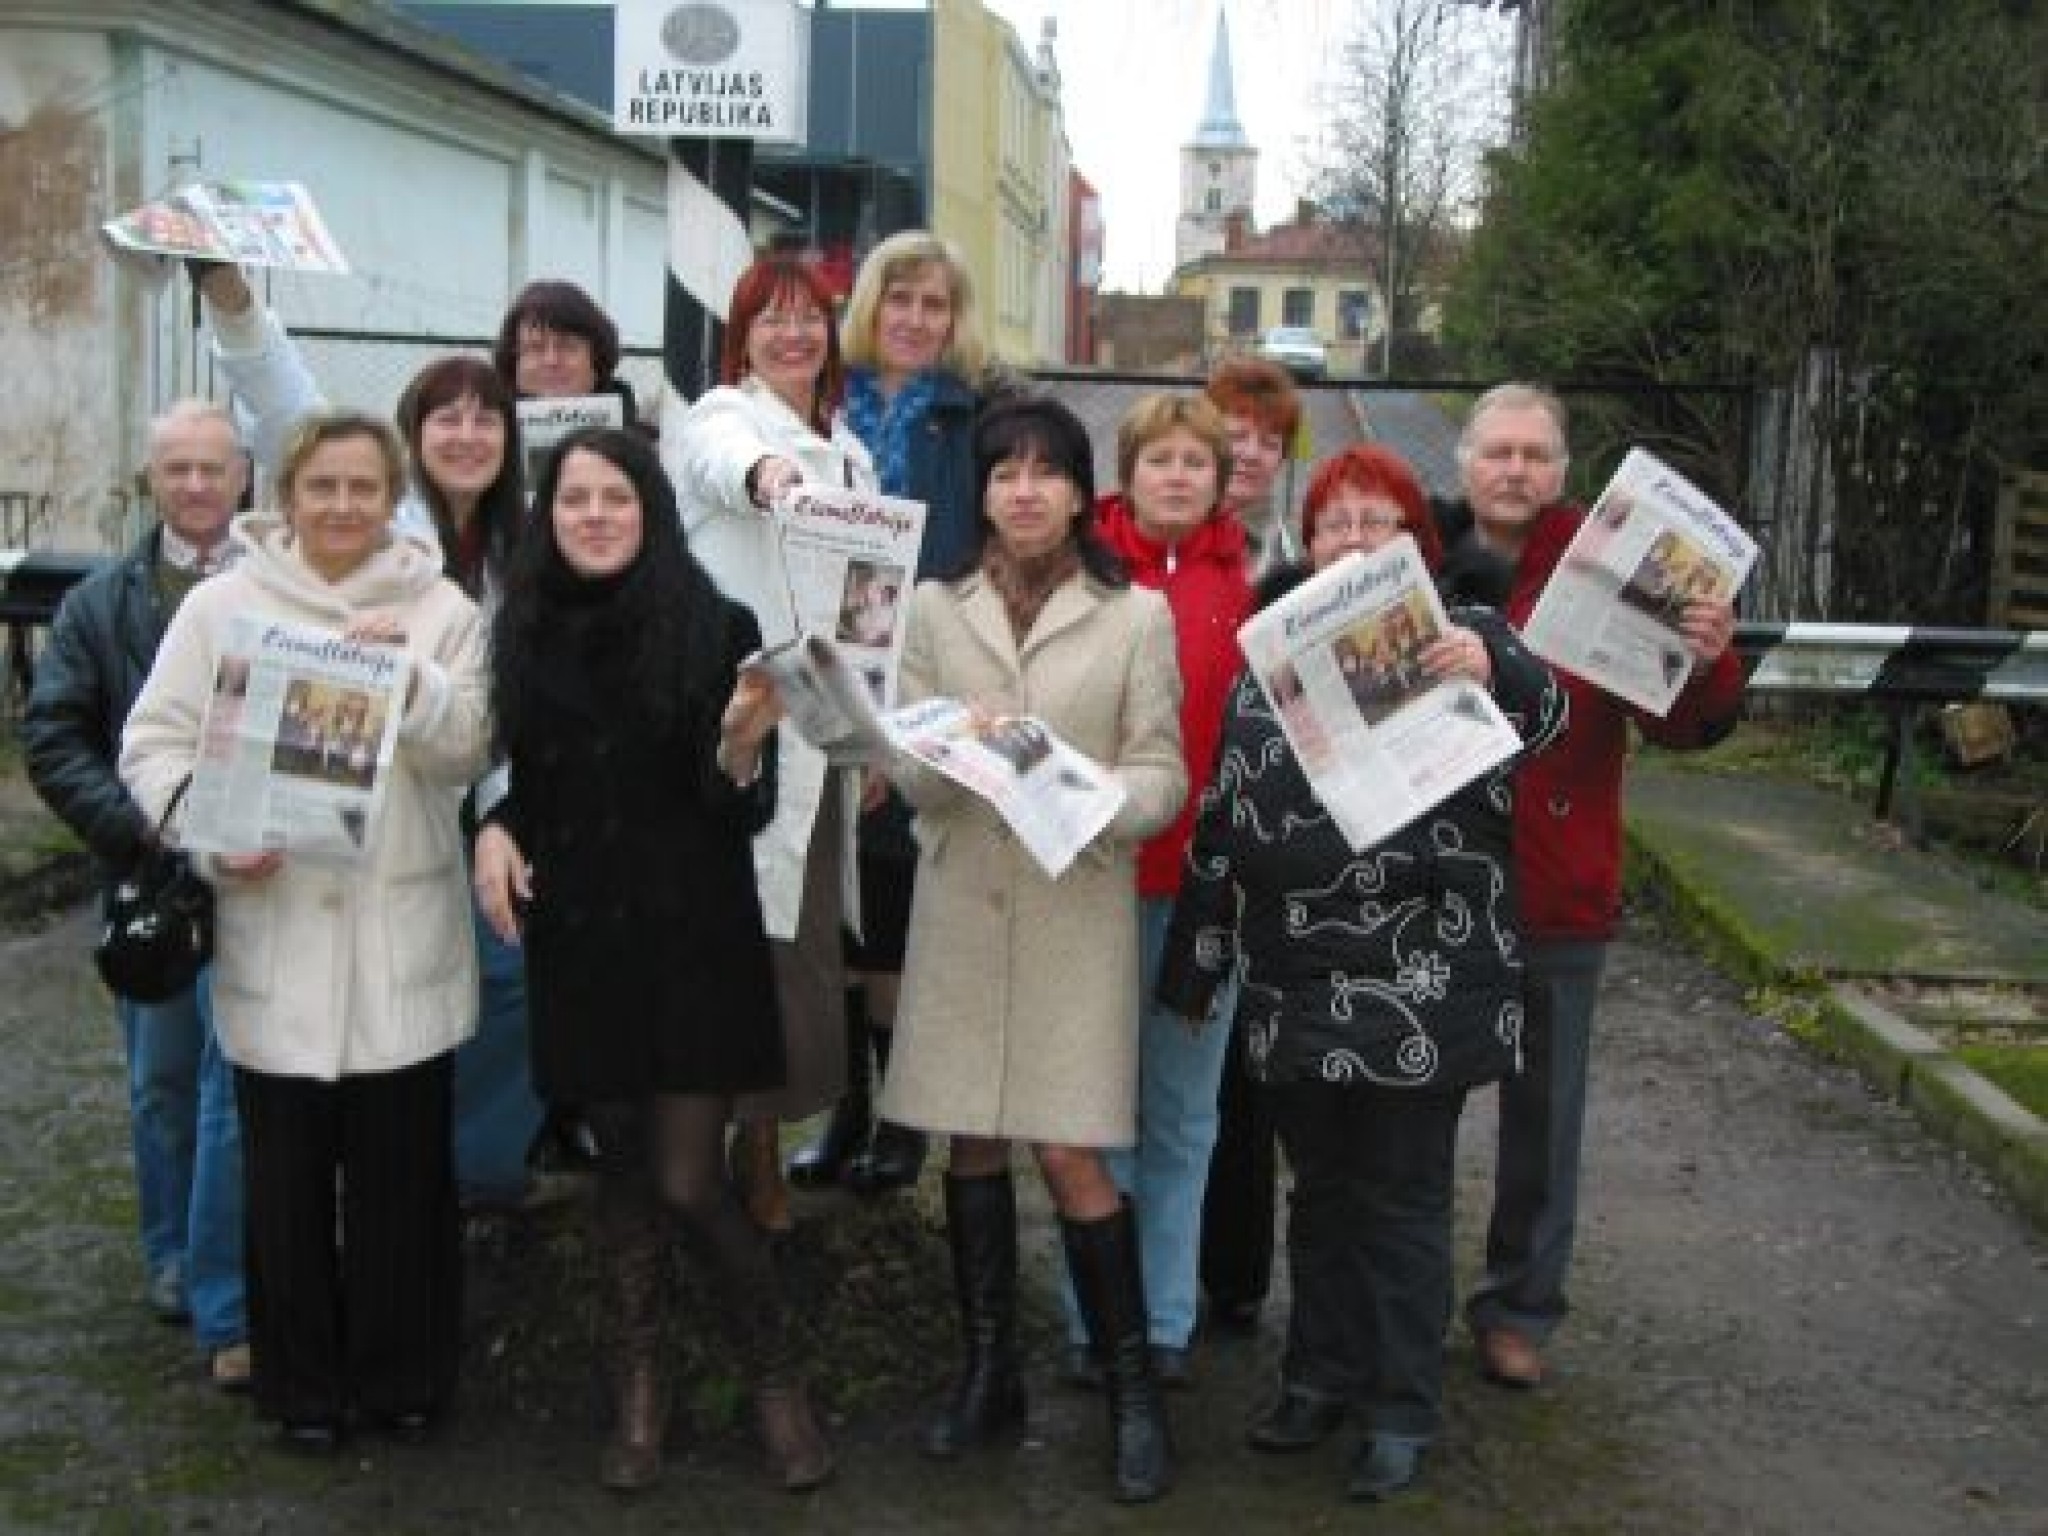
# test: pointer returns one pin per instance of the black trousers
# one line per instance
(1237, 1205)
(1369, 1246)
(354, 1251)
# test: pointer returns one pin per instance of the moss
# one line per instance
(2020, 1070)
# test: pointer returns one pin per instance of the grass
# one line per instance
(2021, 1070)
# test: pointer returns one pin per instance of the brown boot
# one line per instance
(799, 1456)
(632, 1238)
(757, 1166)
(632, 1457)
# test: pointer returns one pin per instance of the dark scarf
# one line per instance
(1026, 583)
(887, 425)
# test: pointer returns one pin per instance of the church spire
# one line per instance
(1220, 128)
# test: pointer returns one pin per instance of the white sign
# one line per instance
(711, 69)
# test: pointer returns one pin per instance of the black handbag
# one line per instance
(157, 932)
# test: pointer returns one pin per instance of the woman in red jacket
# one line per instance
(1173, 534)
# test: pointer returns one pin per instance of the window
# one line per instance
(1354, 314)
(1244, 311)
(1298, 307)
(1215, 168)
(1212, 200)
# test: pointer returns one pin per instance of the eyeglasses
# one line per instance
(562, 344)
(790, 320)
(1342, 525)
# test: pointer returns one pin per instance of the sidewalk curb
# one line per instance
(1905, 1063)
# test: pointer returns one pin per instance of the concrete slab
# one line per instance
(1808, 878)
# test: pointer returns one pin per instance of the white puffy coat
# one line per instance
(322, 971)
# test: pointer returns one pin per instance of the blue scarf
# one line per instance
(888, 427)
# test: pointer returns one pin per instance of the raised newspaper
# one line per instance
(1054, 798)
(251, 223)
(1652, 543)
(544, 423)
(848, 562)
(296, 743)
(1339, 660)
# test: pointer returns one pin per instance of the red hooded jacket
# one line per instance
(1207, 581)
(1568, 799)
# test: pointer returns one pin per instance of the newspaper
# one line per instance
(848, 562)
(1339, 660)
(251, 223)
(1055, 799)
(544, 423)
(296, 743)
(1652, 543)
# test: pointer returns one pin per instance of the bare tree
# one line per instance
(1413, 93)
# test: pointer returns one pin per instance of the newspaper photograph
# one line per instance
(296, 743)
(544, 423)
(849, 559)
(1055, 799)
(1339, 659)
(1653, 543)
(251, 223)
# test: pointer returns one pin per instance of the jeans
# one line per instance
(1536, 1166)
(497, 1113)
(1369, 1247)
(188, 1156)
(1167, 1171)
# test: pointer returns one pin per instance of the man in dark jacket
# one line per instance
(187, 1141)
(1567, 855)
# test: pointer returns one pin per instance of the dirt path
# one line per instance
(1796, 1315)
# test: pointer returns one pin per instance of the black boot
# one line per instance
(824, 1161)
(988, 1400)
(895, 1157)
(1102, 1256)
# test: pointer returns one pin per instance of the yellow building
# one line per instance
(999, 172)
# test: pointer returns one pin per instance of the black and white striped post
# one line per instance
(693, 322)
(1899, 666)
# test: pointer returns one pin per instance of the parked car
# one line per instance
(1295, 348)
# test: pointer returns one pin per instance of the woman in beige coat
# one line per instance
(1019, 1016)
(341, 991)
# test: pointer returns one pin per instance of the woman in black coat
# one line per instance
(1377, 989)
(621, 859)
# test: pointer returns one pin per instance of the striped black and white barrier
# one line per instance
(709, 183)
(1901, 662)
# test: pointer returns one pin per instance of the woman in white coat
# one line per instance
(341, 993)
(773, 424)
(1019, 1016)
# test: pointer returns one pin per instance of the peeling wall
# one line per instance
(58, 441)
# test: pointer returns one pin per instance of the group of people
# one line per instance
(608, 877)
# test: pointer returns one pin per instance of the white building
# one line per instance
(447, 181)
(1219, 168)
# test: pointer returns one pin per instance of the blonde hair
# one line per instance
(896, 259)
(1154, 416)
(318, 428)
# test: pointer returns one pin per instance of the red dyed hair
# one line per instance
(1375, 471)
(769, 281)
(1261, 392)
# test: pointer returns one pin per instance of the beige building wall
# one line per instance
(998, 175)
(1351, 348)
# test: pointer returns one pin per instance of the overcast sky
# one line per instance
(1135, 77)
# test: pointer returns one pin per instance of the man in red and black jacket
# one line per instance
(1567, 853)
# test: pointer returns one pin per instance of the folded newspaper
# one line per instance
(1055, 799)
(251, 223)
(1653, 543)
(544, 423)
(848, 559)
(296, 743)
(1339, 661)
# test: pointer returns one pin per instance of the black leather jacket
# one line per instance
(99, 653)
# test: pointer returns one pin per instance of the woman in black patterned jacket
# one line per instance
(1378, 988)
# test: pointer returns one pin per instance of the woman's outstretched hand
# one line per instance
(750, 718)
